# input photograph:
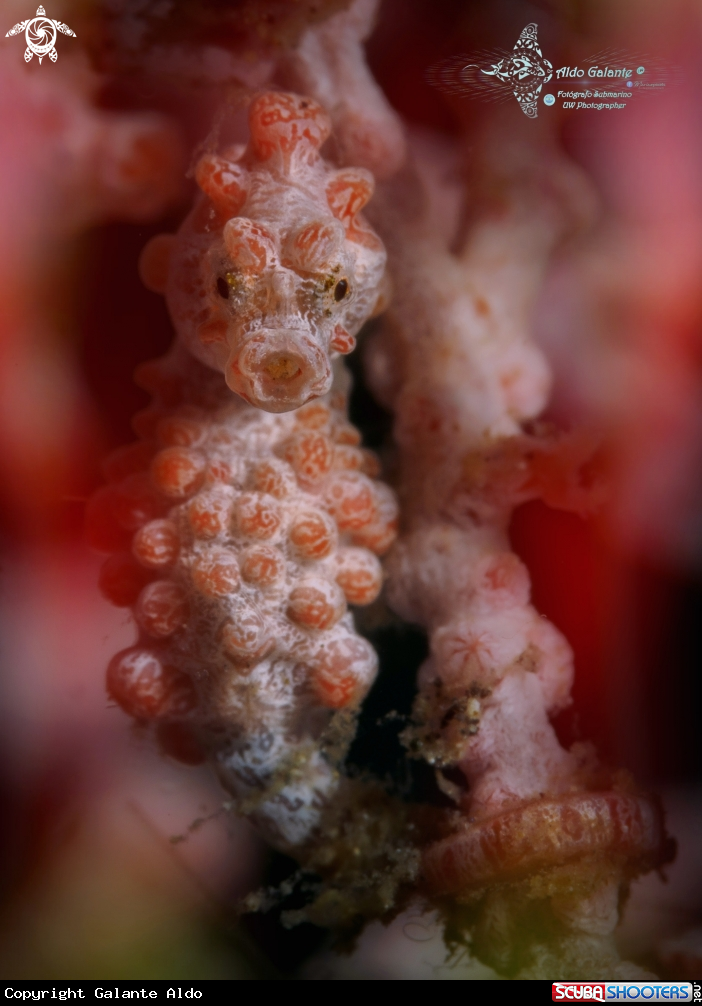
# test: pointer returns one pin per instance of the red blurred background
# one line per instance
(94, 884)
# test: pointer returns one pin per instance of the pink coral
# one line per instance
(329, 64)
(456, 364)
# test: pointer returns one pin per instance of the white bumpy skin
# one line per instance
(238, 538)
(273, 272)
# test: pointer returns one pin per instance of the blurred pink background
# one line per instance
(92, 165)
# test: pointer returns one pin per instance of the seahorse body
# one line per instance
(236, 536)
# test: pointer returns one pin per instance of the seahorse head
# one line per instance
(273, 272)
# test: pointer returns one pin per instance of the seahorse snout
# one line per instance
(279, 370)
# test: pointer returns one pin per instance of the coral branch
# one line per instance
(455, 362)
(329, 64)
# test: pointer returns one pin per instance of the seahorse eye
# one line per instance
(340, 290)
(222, 287)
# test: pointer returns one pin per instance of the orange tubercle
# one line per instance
(209, 513)
(379, 534)
(224, 182)
(348, 191)
(311, 455)
(280, 121)
(251, 246)
(156, 544)
(342, 341)
(258, 515)
(359, 575)
(343, 670)
(377, 538)
(312, 534)
(215, 572)
(273, 477)
(162, 608)
(212, 331)
(349, 498)
(178, 471)
(262, 565)
(144, 687)
(316, 603)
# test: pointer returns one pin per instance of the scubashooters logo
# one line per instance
(40, 35)
(525, 71)
(621, 991)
